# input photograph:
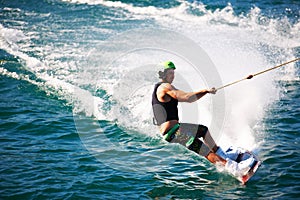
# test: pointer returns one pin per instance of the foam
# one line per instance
(81, 100)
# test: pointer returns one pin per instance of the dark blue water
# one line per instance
(75, 120)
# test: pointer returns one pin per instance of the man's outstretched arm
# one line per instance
(183, 96)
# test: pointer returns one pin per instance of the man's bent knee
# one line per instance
(201, 132)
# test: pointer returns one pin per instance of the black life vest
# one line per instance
(164, 111)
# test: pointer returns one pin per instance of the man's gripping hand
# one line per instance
(212, 91)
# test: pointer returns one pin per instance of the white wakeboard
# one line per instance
(242, 156)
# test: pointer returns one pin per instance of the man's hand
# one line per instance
(212, 91)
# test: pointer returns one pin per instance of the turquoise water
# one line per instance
(75, 112)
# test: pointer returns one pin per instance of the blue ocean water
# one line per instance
(75, 113)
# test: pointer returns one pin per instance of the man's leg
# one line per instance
(189, 134)
(210, 142)
(214, 158)
(199, 147)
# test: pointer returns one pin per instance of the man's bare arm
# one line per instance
(183, 96)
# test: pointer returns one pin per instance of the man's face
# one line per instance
(170, 75)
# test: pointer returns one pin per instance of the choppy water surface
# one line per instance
(67, 131)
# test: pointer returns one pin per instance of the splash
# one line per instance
(82, 100)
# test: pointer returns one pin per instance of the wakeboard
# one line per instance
(240, 155)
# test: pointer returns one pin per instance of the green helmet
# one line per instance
(168, 65)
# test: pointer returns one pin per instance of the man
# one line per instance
(165, 99)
